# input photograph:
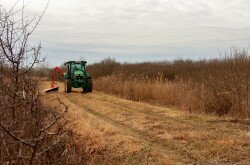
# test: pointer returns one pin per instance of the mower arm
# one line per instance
(54, 78)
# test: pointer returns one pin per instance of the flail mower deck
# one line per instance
(51, 89)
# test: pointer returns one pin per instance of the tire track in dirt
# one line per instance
(174, 136)
(98, 104)
(218, 142)
(149, 112)
(167, 147)
(182, 118)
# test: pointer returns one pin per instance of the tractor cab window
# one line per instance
(76, 67)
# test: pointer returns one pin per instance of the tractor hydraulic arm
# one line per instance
(54, 78)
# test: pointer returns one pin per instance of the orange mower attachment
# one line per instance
(53, 86)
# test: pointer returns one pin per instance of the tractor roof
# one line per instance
(75, 62)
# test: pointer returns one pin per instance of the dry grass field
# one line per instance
(119, 131)
(215, 86)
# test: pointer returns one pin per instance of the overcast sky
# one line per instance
(139, 30)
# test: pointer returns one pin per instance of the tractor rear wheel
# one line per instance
(67, 86)
(89, 88)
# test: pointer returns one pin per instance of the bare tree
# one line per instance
(29, 131)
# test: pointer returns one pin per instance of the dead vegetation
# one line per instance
(111, 130)
(30, 131)
(216, 86)
(119, 131)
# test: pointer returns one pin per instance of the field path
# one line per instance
(139, 133)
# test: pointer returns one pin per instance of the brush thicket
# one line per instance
(218, 86)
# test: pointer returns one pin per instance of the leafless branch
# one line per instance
(15, 137)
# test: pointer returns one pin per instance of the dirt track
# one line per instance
(139, 133)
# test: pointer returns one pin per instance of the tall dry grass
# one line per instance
(156, 91)
(217, 86)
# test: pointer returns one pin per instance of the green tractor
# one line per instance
(77, 77)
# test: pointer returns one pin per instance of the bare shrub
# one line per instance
(226, 89)
(104, 68)
(217, 86)
(30, 132)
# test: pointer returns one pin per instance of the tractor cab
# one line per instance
(75, 65)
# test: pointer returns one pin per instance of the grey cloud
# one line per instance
(136, 30)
